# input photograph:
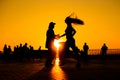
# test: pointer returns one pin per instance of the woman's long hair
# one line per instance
(74, 20)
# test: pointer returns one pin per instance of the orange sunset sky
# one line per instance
(27, 21)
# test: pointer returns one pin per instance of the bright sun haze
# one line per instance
(27, 21)
(56, 43)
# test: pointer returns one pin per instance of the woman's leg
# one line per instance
(76, 52)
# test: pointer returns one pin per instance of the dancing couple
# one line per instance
(70, 42)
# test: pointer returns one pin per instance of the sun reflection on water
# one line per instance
(56, 72)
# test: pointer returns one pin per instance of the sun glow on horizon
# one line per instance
(56, 72)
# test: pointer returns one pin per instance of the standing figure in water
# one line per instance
(69, 33)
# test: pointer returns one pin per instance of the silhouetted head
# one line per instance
(20, 45)
(25, 44)
(104, 44)
(9, 46)
(51, 25)
(68, 20)
(73, 20)
(5, 45)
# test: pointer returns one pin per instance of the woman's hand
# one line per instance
(57, 36)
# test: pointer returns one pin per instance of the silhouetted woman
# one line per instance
(49, 43)
(69, 33)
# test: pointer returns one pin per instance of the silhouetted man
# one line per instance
(104, 49)
(9, 50)
(49, 44)
(5, 50)
(85, 48)
(26, 50)
(85, 52)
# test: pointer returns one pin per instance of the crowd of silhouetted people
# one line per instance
(20, 52)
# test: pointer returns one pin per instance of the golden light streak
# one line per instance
(56, 72)
(57, 61)
(56, 43)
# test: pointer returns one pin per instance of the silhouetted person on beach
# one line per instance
(85, 49)
(104, 49)
(7, 51)
(31, 52)
(50, 35)
(20, 52)
(85, 52)
(17, 53)
(26, 51)
(69, 33)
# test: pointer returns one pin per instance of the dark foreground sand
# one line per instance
(95, 69)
